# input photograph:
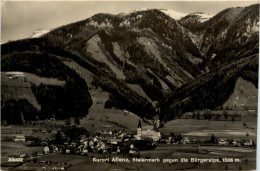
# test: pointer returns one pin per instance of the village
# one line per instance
(75, 140)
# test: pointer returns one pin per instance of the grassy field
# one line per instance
(20, 88)
(203, 129)
(9, 132)
(108, 119)
(16, 148)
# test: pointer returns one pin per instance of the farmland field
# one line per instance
(16, 148)
(204, 128)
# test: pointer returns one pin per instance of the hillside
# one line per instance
(232, 33)
(74, 99)
(140, 61)
(244, 96)
(134, 41)
(210, 90)
(51, 83)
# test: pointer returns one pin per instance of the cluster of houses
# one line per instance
(234, 142)
(121, 142)
(102, 142)
(109, 142)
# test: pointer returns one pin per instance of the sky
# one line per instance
(19, 19)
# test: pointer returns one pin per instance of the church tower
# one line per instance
(139, 129)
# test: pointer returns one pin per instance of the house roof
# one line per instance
(17, 74)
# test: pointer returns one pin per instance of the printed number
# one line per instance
(15, 159)
(226, 160)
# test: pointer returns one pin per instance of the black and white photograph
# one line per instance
(129, 85)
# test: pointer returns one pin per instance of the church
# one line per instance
(147, 133)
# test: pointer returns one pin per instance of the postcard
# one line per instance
(129, 85)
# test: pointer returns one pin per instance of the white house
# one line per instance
(115, 140)
(185, 140)
(67, 151)
(223, 141)
(55, 149)
(46, 150)
(84, 151)
(19, 138)
(248, 142)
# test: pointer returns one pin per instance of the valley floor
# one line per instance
(164, 152)
(243, 157)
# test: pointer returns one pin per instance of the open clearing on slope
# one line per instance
(244, 95)
(20, 88)
(94, 48)
(108, 119)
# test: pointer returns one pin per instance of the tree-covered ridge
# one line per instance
(71, 100)
(210, 90)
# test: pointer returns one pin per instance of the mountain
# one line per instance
(148, 62)
(229, 42)
(174, 14)
(231, 33)
(211, 90)
(193, 20)
(38, 33)
(134, 49)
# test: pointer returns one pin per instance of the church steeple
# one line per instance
(139, 124)
(139, 129)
